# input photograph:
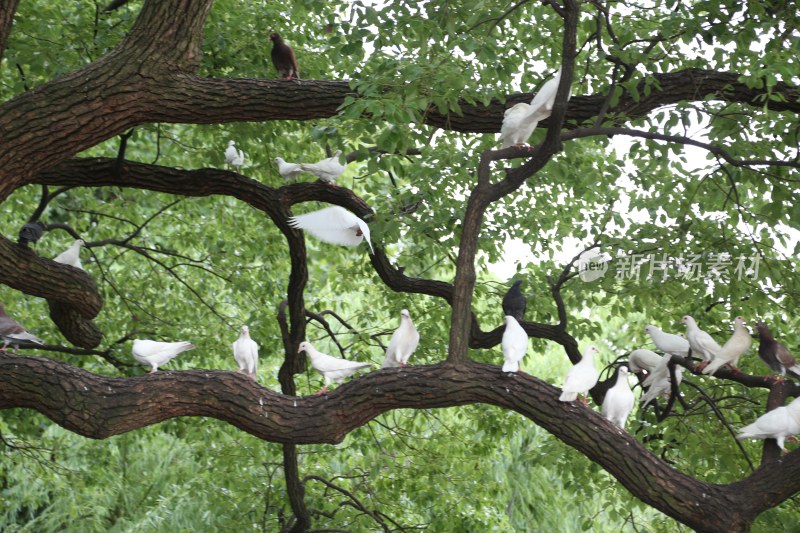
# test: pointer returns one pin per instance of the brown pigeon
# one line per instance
(283, 58)
(13, 333)
(775, 354)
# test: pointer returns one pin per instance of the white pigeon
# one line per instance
(156, 354)
(618, 403)
(288, 170)
(658, 383)
(777, 424)
(515, 345)
(581, 377)
(732, 350)
(643, 359)
(331, 368)
(700, 341)
(233, 157)
(520, 120)
(327, 170)
(404, 341)
(72, 255)
(335, 225)
(668, 342)
(245, 352)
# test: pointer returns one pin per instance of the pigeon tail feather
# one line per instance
(568, 396)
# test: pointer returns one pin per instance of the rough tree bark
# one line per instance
(150, 77)
(98, 407)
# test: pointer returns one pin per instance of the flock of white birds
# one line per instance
(618, 402)
(337, 225)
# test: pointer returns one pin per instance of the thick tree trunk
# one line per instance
(7, 10)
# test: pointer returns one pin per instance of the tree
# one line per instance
(441, 202)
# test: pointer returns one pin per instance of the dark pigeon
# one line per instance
(13, 333)
(514, 302)
(774, 353)
(283, 58)
(30, 232)
(116, 4)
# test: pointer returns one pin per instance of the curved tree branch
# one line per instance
(207, 182)
(79, 401)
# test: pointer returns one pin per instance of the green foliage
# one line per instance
(214, 264)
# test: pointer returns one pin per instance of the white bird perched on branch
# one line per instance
(331, 368)
(701, 342)
(581, 377)
(288, 170)
(658, 383)
(72, 255)
(668, 342)
(245, 352)
(732, 350)
(618, 402)
(404, 341)
(335, 225)
(327, 170)
(520, 120)
(777, 424)
(515, 344)
(156, 353)
(643, 359)
(233, 157)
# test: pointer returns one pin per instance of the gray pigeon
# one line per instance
(13, 333)
(514, 302)
(30, 232)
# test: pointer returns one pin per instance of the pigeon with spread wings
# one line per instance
(335, 225)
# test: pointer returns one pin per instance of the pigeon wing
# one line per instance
(643, 359)
(514, 344)
(332, 225)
